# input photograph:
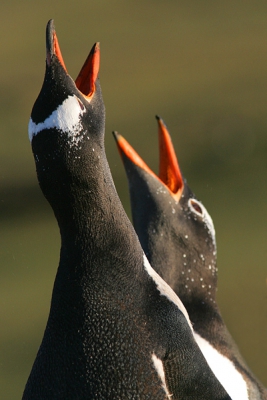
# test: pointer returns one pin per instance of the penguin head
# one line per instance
(66, 105)
(66, 127)
(174, 228)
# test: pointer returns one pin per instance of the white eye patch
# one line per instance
(198, 209)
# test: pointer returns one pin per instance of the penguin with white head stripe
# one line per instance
(115, 329)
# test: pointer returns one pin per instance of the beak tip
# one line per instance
(95, 49)
(116, 135)
(160, 121)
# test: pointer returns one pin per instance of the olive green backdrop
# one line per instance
(202, 66)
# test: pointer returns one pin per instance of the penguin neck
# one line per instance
(184, 259)
(95, 220)
(189, 274)
(193, 283)
(81, 192)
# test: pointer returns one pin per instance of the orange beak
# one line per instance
(85, 81)
(169, 172)
(87, 77)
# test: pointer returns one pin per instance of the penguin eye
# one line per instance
(200, 211)
(195, 206)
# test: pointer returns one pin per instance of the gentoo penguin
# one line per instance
(115, 329)
(178, 238)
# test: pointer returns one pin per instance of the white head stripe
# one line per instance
(206, 218)
(65, 118)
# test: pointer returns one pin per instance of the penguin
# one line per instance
(115, 329)
(178, 238)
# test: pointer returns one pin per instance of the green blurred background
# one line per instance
(202, 66)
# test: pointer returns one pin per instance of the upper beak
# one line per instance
(169, 171)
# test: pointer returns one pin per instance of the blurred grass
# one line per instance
(202, 67)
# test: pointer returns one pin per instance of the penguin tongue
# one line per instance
(86, 79)
(52, 45)
(169, 171)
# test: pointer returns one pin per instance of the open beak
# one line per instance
(169, 171)
(85, 81)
